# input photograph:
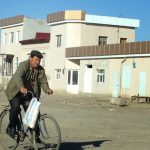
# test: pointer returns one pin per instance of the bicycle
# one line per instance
(50, 134)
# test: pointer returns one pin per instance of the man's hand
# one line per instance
(50, 92)
(23, 90)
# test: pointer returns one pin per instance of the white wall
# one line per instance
(31, 26)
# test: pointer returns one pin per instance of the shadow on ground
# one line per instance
(69, 145)
(81, 145)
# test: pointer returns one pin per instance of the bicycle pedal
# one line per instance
(21, 136)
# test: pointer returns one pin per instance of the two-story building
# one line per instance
(77, 29)
(13, 31)
(63, 39)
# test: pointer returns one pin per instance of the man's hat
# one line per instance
(36, 53)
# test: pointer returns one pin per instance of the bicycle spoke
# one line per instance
(6, 140)
(49, 133)
(44, 129)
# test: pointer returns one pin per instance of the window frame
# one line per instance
(4, 38)
(57, 74)
(7, 67)
(71, 77)
(123, 40)
(101, 75)
(59, 40)
(11, 37)
(17, 36)
(102, 42)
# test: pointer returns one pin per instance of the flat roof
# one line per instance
(117, 21)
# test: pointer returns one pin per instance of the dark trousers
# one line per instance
(15, 103)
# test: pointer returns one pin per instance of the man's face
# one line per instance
(35, 61)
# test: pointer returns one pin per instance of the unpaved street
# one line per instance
(92, 123)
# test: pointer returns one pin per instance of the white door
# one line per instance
(115, 89)
(72, 86)
(87, 80)
(126, 77)
(142, 83)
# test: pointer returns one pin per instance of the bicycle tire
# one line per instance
(53, 135)
(6, 141)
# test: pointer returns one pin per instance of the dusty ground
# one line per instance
(90, 122)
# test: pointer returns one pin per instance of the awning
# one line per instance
(39, 38)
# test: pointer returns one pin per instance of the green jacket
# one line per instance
(23, 75)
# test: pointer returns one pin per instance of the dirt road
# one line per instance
(92, 123)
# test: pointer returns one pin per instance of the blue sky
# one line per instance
(137, 9)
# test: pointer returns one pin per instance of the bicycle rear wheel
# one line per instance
(49, 133)
(6, 141)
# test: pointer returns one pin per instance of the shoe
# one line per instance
(11, 132)
(21, 136)
(38, 140)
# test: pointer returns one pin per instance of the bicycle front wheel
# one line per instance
(6, 141)
(50, 134)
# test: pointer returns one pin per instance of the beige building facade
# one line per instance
(117, 70)
(112, 77)
(67, 30)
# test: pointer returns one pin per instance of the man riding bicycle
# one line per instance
(29, 76)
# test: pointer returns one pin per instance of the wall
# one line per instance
(91, 32)
(57, 56)
(112, 66)
(31, 26)
(12, 48)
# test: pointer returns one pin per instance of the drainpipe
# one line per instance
(121, 76)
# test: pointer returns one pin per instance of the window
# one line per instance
(7, 65)
(89, 66)
(17, 63)
(69, 77)
(75, 78)
(43, 60)
(11, 37)
(4, 38)
(102, 40)
(72, 77)
(58, 73)
(101, 75)
(17, 36)
(123, 40)
(58, 40)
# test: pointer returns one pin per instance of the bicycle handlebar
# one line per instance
(30, 93)
(33, 94)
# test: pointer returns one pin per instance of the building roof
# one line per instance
(76, 16)
(117, 21)
(66, 15)
(11, 21)
(40, 37)
(133, 49)
(81, 16)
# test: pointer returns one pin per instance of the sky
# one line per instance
(136, 9)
